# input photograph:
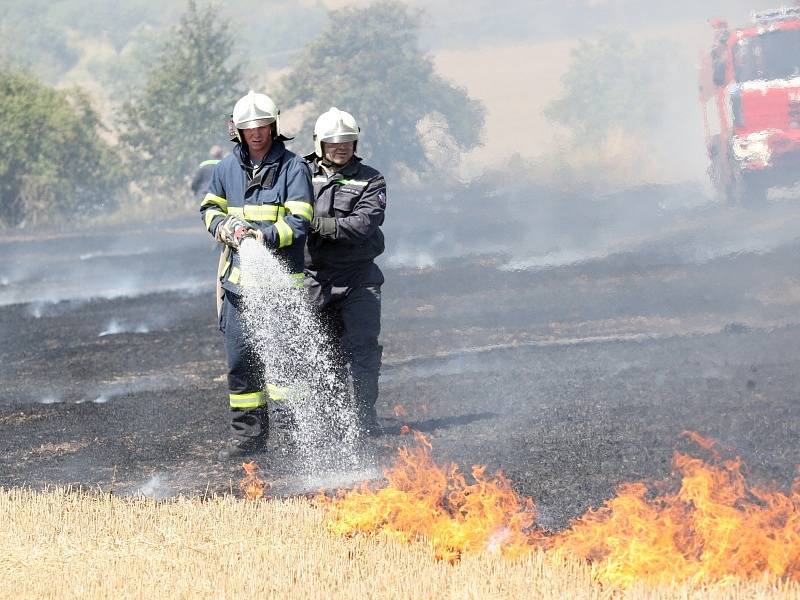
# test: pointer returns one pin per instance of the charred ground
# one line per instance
(572, 379)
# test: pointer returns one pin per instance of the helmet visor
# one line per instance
(255, 123)
(336, 139)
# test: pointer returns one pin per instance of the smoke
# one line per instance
(110, 391)
(51, 269)
(156, 487)
(114, 327)
(495, 357)
(107, 392)
(36, 309)
(296, 356)
(403, 256)
(113, 254)
(528, 225)
(523, 225)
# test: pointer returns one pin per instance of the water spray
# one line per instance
(297, 357)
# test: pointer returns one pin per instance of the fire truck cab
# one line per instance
(750, 91)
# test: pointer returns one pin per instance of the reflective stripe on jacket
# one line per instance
(277, 198)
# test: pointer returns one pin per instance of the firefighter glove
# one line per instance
(324, 226)
(232, 230)
(254, 233)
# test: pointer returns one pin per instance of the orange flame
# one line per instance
(251, 485)
(712, 526)
(423, 500)
(399, 410)
(715, 526)
(704, 443)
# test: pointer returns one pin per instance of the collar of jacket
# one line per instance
(275, 153)
(347, 171)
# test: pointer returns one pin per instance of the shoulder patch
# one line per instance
(382, 199)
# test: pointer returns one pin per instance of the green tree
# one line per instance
(612, 82)
(53, 164)
(183, 106)
(367, 61)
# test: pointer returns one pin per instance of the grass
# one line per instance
(62, 544)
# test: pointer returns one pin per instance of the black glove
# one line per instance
(324, 226)
(231, 230)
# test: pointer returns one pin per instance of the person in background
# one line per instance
(202, 176)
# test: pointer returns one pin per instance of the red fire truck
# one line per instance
(750, 90)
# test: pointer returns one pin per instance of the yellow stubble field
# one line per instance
(62, 544)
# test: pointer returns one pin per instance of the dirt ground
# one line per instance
(571, 379)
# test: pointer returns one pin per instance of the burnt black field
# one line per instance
(572, 371)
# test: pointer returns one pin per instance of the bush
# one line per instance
(53, 164)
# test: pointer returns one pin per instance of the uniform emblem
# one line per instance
(382, 199)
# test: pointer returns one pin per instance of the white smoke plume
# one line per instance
(115, 327)
(157, 487)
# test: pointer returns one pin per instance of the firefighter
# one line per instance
(202, 176)
(261, 190)
(342, 279)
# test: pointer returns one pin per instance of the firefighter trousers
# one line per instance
(353, 320)
(249, 416)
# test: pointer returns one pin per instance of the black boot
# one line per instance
(235, 449)
(249, 432)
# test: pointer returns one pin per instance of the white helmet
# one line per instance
(335, 126)
(255, 110)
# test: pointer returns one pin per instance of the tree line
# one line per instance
(57, 158)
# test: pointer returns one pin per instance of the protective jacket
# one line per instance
(355, 196)
(276, 197)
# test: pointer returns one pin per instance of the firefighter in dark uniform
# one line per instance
(202, 176)
(343, 281)
(264, 191)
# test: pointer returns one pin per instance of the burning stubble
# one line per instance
(708, 524)
(297, 357)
